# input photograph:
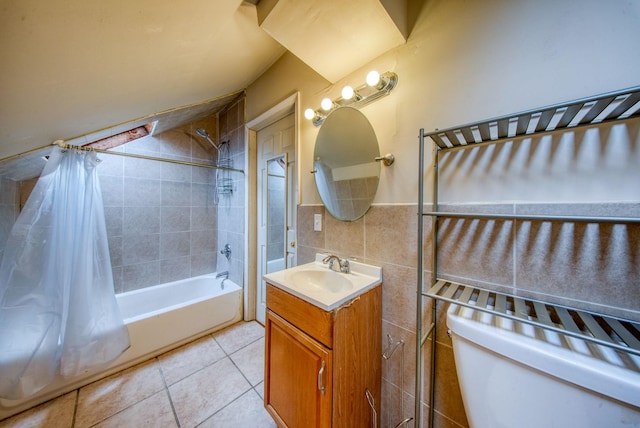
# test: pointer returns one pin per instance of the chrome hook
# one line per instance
(387, 159)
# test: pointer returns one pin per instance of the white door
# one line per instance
(277, 202)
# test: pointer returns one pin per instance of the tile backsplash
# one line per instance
(590, 266)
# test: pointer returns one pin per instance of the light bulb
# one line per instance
(373, 78)
(347, 92)
(309, 114)
(326, 104)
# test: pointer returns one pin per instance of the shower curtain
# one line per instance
(58, 312)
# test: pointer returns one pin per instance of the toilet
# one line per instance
(512, 374)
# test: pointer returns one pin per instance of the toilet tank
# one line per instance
(513, 374)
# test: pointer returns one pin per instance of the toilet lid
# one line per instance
(601, 369)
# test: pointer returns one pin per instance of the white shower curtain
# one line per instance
(58, 312)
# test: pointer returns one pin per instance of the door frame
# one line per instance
(283, 108)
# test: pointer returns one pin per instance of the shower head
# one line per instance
(204, 134)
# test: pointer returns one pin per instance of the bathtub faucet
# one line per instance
(224, 274)
(226, 251)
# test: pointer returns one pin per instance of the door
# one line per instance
(298, 376)
(277, 202)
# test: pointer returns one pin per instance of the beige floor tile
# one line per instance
(56, 413)
(205, 392)
(190, 358)
(246, 411)
(202, 381)
(250, 361)
(154, 411)
(239, 335)
(106, 397)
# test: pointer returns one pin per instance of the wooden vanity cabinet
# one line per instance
(299, 386)
(319, 364)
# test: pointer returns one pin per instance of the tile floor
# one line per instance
(215, 381)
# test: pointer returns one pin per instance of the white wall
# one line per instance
(471, 60)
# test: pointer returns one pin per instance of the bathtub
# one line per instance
(158, 319)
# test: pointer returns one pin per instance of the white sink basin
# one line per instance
(325, 288)
(324, 279)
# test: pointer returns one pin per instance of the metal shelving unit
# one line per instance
(598, 328)
(605, 330)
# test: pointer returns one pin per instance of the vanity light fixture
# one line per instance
(309, 114)
(377, 86)
(348, 92)
(373, 78)
(314, 116)
(326, 104)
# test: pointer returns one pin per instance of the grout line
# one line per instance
(236, 351)
(257, 392)
(225, 406)
(455, 423)
(242, 347)
(240, 371)
(158, 367)
(198, 370)
(75, 408)
(404, 328)
(251, 386)
(233, 362)
(166, 389)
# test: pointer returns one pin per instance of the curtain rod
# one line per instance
(63, 145)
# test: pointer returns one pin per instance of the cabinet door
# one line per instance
(298, 375)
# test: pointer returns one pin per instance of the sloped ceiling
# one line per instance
(69, 67)
(334, 39)
(72, 68)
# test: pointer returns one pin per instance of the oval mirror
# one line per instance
(346, 172)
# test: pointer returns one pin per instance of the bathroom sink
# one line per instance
(323, 287)
(321, 279)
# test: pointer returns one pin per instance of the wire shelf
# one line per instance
(533, 217)
(224, 186)
(610, 331)
(224, 163)
(602, 329)
(608, 107)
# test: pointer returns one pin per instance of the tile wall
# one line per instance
(585, 265)
(232, 206)
(161, 217)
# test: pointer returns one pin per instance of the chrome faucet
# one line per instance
(224, 274)
(226, 251)
(345, 267)
(344, 263)
(331, 259)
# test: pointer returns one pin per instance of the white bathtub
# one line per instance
(158, 318)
